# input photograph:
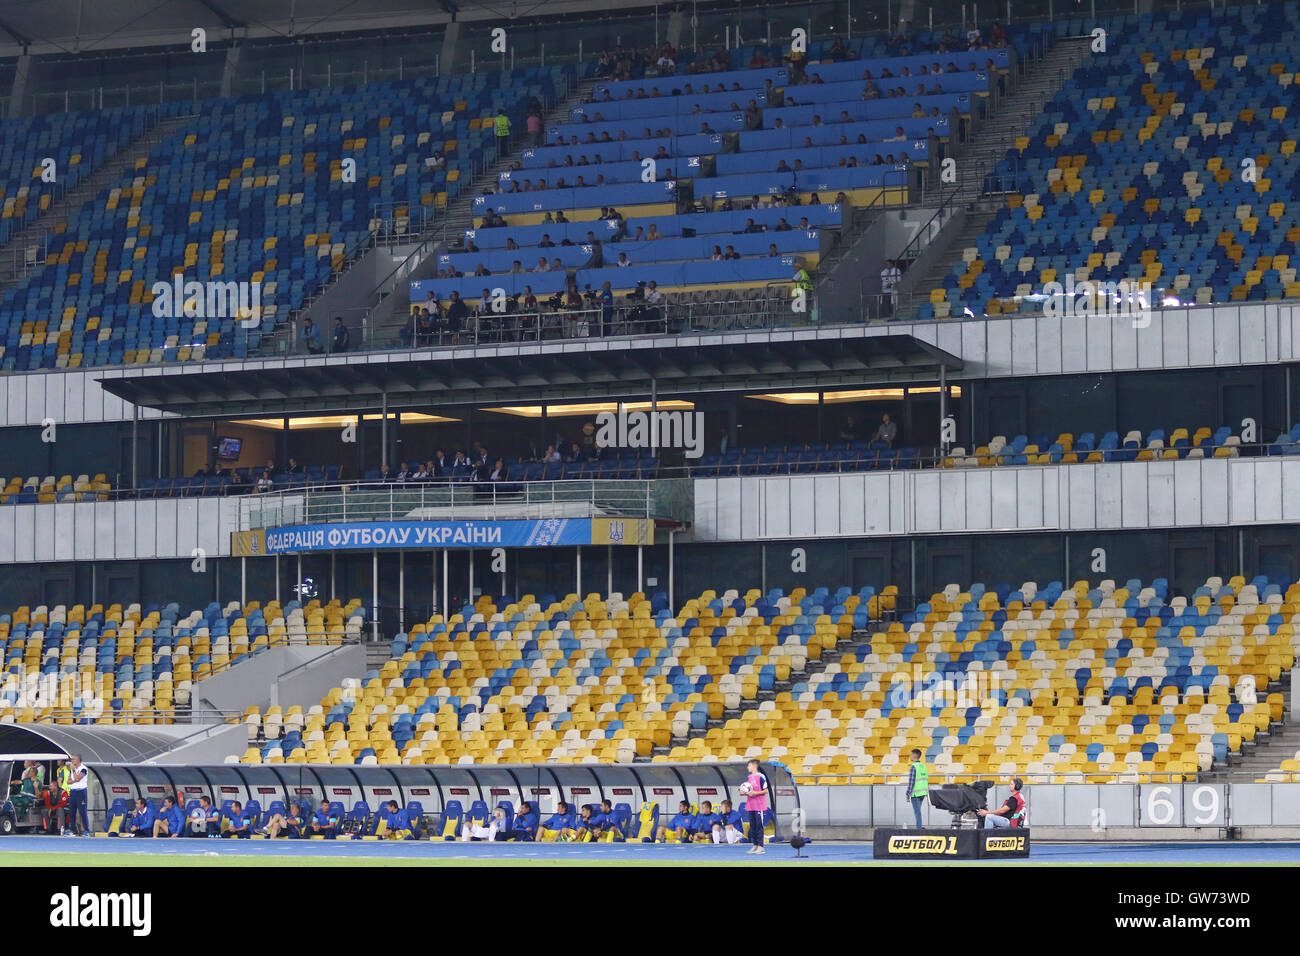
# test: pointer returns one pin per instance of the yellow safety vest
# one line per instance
(803, 280)
(503, 125)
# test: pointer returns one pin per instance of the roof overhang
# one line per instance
(95, 743)
(535, 373)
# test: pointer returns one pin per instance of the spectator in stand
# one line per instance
(772, 251)
(552, 456)
(574, 455)
(717, 254)
(535, 128)
(341, 337)
(887, 431)
(731, 253)
(457, 315)
(310, 337)
(265, 483)
(498, 472)
(606, 299)
(890, 276)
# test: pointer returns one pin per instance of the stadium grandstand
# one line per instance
(650, 423)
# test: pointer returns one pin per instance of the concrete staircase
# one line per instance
(25, 251)
(377, 654)
(1014, 116)
(854, 642)
(1268, 750)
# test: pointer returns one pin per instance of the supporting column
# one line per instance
(446, 594)
(578, 572)
(135, 440)
(401, 591)
(297, 585)
(243, 583)
(471, 576)
(383, 430)
(333, 554)
(374, 595)
(640, 567)
(433, 581)
(672, 540)
(943, 406)
(609, 570)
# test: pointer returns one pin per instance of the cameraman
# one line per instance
(1011, 813)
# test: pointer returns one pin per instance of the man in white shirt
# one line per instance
(889, 279)
(78, 779)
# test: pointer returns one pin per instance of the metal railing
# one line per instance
(472, 500)
(151, 715)
(899, 778)
(745, 462)
(769, 309)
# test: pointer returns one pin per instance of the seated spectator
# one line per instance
(325, 822)
(525, 828)
(551, 456)
(140, 823)
(560, 823)
(682, 824)
(704, 822)
(887, 431)
(498, 471)
(574, 455)
(729, 827)
(717, 254)
(772, 251)
(731, 253)
(169, 822)
(496, 825)
(265, 482)
(286, 824)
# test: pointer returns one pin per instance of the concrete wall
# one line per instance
(1077, 811)
(283, 676)
(209, 744)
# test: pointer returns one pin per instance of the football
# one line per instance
(745, 788)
